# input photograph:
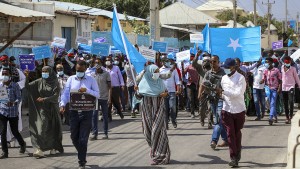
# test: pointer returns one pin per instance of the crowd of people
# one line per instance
(221, 92)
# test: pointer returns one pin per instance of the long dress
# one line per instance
(44, 121)
(154, 128)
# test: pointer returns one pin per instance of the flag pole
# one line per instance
(125, 46)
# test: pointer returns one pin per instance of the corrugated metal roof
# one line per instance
(230, 24)
(11, 10)
(71, 7)
(175, 28)
(272, 28)
(179, 14)
(217, 5)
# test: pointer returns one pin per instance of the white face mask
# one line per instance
(155, 76)
(107, 63)
(227, 71)
(116, 62)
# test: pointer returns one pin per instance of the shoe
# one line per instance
(213, 145)
(224, 144)
(8, 144)
(262, 115)
(53, 152)
(93, 138)
(270, 121)
(192, 116)
(238, 157)
(4, 155)
(121, 115)
(233, 163)
(276, 120)
(209, 126)
(202, 123)
(287, 121)
(174, 124)
(257, 119)
(38, 154)
(23, 148)
(81, 166)
(133, 115)
(105, 137)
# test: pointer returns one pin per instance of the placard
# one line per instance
(82, 101)
(59, 42)
(171, 50)
(184, 55)
(42, 52)
(277, 45)
(196, 38)
(102, 49)
(160, 46)
(27, 62)
(296, 55)
(148, 53)
(3, 94)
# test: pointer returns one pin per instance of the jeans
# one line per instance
(259, 101)
(272, 100)
(288, 101)
(104, 109)
(219, 128)
(170, 105)
(233, 124)
(80, 127)
(130, 92)
(115, 100)
(192, 94)
(13, 122)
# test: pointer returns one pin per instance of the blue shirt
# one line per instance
(74, 84)
(14, 95)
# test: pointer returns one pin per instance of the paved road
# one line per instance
(264, 146)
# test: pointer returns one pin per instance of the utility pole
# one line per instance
(154, 21)
(297, 23)
(234, 13)
(255, 16)
(269, 21)
(286, 14)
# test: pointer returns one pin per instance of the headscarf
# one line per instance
(150, 87)
(52, 79)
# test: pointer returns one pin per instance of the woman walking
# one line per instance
(44, 120)
(152, 110)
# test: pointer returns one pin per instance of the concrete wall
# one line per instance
(295, 131)
(264, 40)
(64, 21)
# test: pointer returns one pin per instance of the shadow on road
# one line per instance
(257, 147)
(260, 165)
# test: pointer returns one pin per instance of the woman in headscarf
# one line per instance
(152, 110)
(44, 120)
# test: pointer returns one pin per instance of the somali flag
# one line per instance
(206, 45)
(135, 57)
(243, 43)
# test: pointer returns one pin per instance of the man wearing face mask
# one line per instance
(91, 70)
(117, 84)
(272, 78)
(289, 79)
(233, 112)
(173, 86)
(80, 121)
(62, 80)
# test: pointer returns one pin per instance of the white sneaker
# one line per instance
(53, 152)
(38, 153)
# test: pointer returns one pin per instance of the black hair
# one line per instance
(216, 57)
(7, 69)
(269, 59)
(82, 63)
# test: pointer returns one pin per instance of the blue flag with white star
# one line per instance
(243, 43)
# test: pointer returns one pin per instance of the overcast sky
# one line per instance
(278, 9)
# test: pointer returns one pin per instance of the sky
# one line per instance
(278, 9)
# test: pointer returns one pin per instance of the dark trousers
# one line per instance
(233, 124)
(104, 108)
(288, 101)
(13, 122)
(130, 92)
(115, 100)
(192, 95)
(80, 127)
(66, 115)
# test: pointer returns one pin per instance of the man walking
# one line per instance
(80, 121)
(233, 112)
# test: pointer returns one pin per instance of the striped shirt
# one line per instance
(14, 95)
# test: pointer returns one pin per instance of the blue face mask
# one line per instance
(45, 75)
(80, 74)
(287, 64)
(227, 71)
(60, 73)
(267, 65)
(168, 64)
(6, 78)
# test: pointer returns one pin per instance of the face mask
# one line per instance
(227, 71)
(155, 76)
(116, 62)
(45, 75)
(107, 63)
(5, 78)
(79, 74)
(267, 65)
(60, 73)
(168, 64)
(287, 64)
(96, 65)
(5, 66)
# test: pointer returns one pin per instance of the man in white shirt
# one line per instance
(173, 86)
(259, 91)
(233, 112)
